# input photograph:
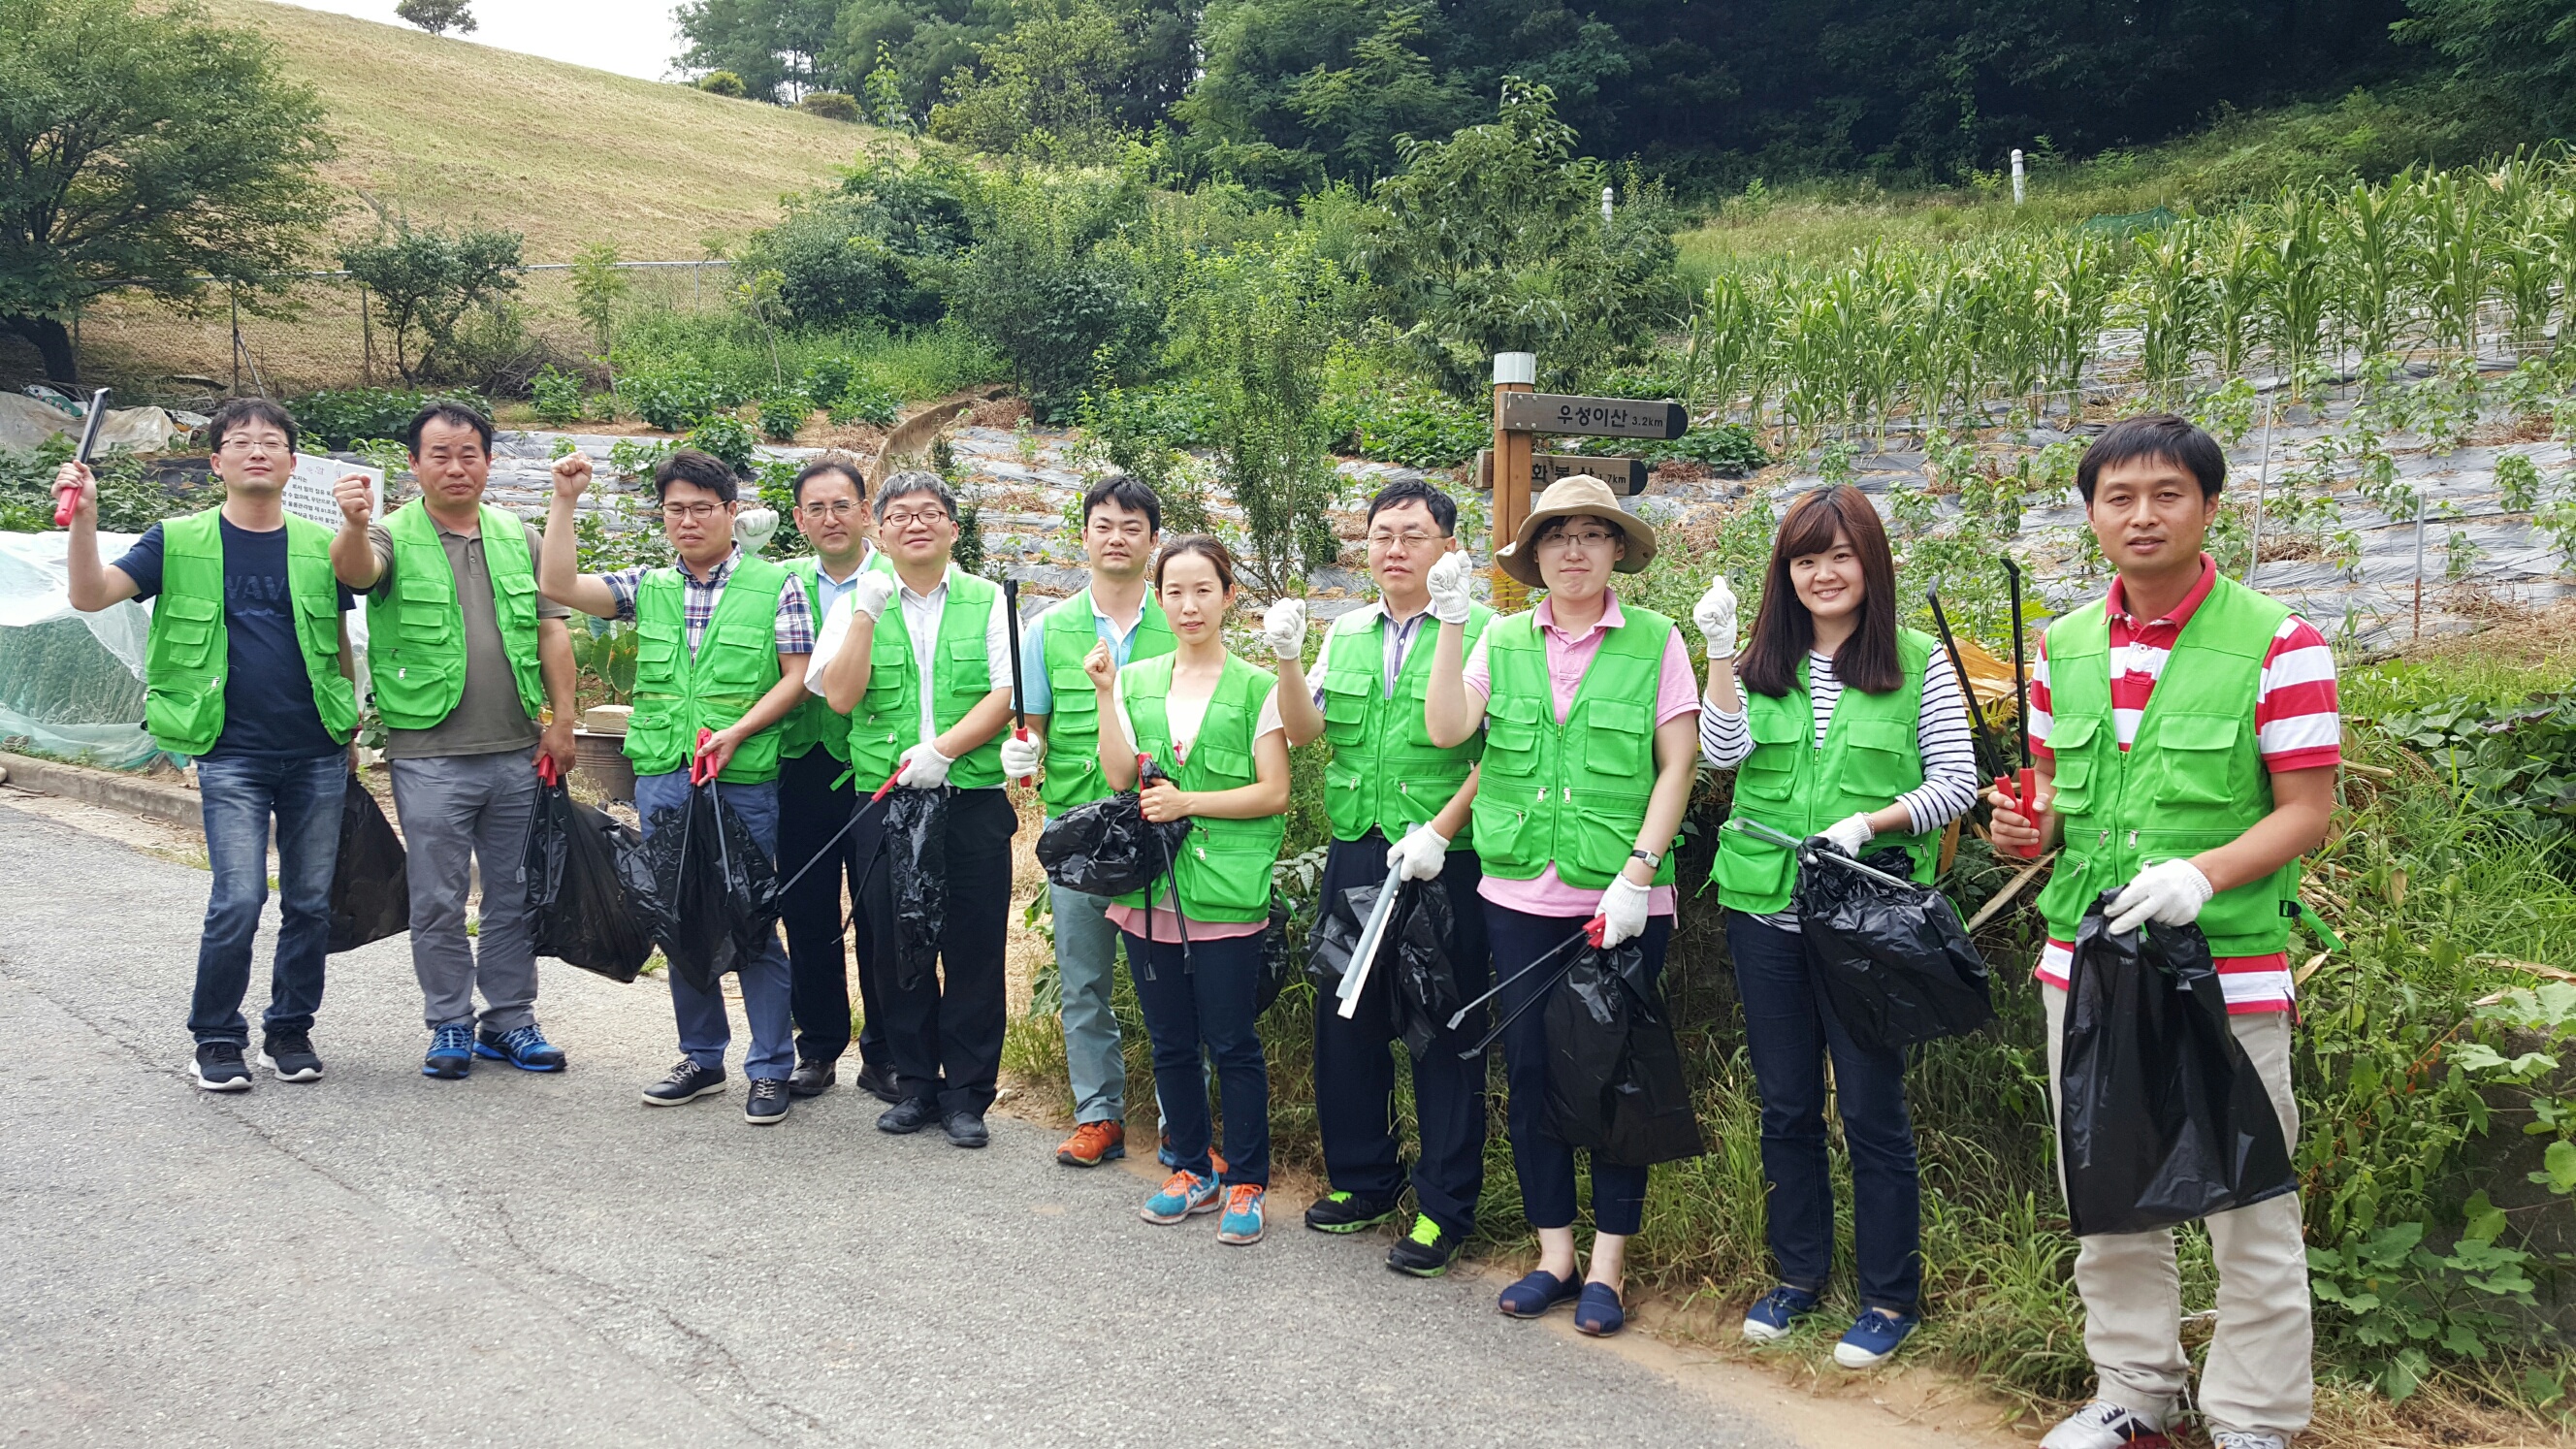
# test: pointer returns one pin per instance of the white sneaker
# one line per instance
(2102, 1424)
(2245, 1439)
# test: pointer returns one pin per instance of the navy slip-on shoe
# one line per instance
(1535, 1294)
(1599, 1313)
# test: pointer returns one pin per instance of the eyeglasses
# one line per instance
(1587, 540)
(239, 445)
(908, 519)
(690, 512)
(1410, 539)
(836, 510)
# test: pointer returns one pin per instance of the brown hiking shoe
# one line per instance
(1092, 1144)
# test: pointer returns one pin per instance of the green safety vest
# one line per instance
(814, 722)
(416, 634)
(1223, 874)
(2192, 781)
(1870, 756)
(1385, 774)
(677, 694)
(1571, 795)
(190, 645)
(1065, 636)
(888, 719)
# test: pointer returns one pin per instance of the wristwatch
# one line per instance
(1653, 861)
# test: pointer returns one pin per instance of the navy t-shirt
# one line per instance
(272, 714)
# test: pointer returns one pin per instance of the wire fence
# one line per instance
(325, 332)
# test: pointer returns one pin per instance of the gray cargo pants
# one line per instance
(455, 810)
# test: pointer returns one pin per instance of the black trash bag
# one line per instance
(591, 901)
(2161, 1117)
(371, 881)
(1105, 848)
(1426, 980)
(1614, 1072)
(717, 883)
(1896, 965)
(1336, 934)
(1274, 955)
(916, 865)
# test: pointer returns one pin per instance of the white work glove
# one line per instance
(1020, 757)
(2171, 892)
(1715, 615)
(752, 528)
(924, 768)
(1419, 855)
(1283, 628)
(1623, 911)
(1850, 836)
(872, 593)
(1448, 581)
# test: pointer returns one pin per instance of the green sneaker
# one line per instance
(1344, 1212)
(1426, 1252)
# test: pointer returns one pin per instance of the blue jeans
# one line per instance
(240, 796)
(1546, 1166)
(1207, 1003)
(1086, 966)
(767, 986)
(1788, 1029)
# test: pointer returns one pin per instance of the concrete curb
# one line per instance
(152, 799)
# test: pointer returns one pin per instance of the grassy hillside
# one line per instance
(450, 130)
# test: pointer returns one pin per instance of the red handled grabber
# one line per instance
(549, 774)
(2023, 788)
(65, 497)
(1977, 714)
(703, 768)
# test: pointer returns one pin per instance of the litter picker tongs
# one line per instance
(1364, 955)
(1808, 855)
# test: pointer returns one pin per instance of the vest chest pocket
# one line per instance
(741, 656)
(1616, 734)
(1879, 761)
(969, 676)
(2197, 750)
(1074, 696)
(186, 626)
(1770, 771)
(428, 623)
(1222, 766)
(2071, 741)
(657, 648)
(515, 598)
(1511, 737)
(321, 623)
(1345, 707)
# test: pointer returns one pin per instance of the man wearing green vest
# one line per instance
(2188, 736)
(463, 655)
(815, 798)
(720, 651)
(1121, 522)
(246, 672)
(1397, 802)
(927, 688)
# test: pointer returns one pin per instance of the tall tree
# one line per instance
(425, 279)
(780, 48)
(145, 151)
(2524, 48)
(438, 16)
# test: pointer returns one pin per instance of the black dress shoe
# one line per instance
(812, 1079)
(877, 1082)
(907, 1116)
(766, 1106)
(965, 1129)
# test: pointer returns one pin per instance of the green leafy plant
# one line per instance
(783, 413)
(724, 436)
(1419, 432)
(558, 397)
(605, 656)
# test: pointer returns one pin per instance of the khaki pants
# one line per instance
(2259, 1376)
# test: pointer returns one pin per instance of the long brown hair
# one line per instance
(1784, 631)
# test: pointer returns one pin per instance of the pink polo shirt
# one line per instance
(1568, 656)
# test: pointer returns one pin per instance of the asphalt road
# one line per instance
(379, 1259)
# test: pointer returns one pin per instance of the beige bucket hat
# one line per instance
(1566, 498)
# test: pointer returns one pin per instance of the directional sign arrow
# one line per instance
(1599, 417)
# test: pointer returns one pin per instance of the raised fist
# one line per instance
(572, 475)
(356, 499)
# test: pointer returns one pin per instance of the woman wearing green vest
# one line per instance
(1588, 709)
(1853, 729)
(1210, 722)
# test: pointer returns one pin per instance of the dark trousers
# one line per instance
(1545, 1165)
(239, 796)
(1788, 1029)
(810, 812)
(1355, 1068)
(943, 1032)
(1207, 1002)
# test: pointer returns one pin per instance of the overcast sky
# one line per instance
(632, 36)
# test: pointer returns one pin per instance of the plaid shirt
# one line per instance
(698, 603)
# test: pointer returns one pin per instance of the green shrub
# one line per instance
(337, 417)
(1728, 449)
(830, 105)
(856, 253)
(727, 437)
(1052, 284)
(558, 397)
(783, 413)
(723, 83)
(1434, 431)
(867, 400)
(678, 395)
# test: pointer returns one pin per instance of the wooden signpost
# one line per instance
(1521, 413)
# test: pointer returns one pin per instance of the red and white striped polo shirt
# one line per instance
(2297, 726)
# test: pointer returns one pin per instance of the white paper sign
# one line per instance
(308, 488)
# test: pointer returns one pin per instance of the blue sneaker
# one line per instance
(1873, 1338)
(526, 1048)
(1242, 1221)
(1183, 1195)
(1769, 1321)
(451, 1054)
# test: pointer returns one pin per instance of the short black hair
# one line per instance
(1444, 509)
(821, 466)
(446, 410)
(242, 411)
(2161, 436)
(706, 470)
(1127, 493)
(904, 485)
